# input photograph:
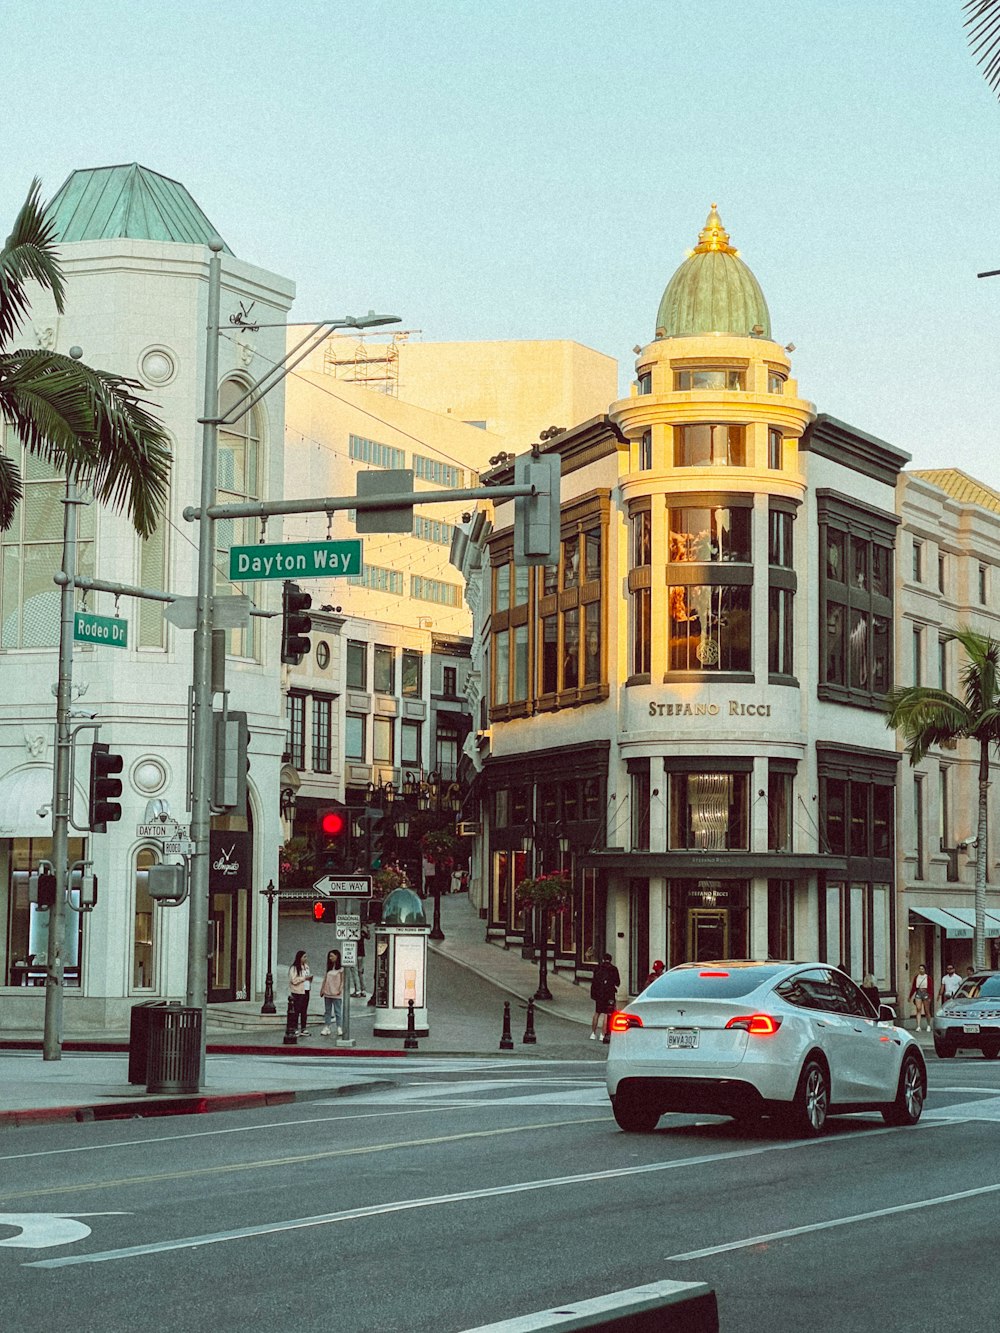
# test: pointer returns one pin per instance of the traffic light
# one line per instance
(295, 624)
(332, 840)
(104, 787)
(324, 911)
(230, 762)
(536, 517)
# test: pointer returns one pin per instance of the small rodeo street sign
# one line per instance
(108, 630)
(360, 887)
(295, 560)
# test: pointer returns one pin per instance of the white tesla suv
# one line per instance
(749, 1039)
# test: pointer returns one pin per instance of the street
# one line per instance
(480, 1189)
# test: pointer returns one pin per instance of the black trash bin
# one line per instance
(174, 1063)
(138, 1039)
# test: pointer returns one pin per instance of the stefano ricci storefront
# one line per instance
(686, 711)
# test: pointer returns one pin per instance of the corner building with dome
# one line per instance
(685, 714)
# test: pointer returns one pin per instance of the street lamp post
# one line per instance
(543, 992)
(270, 893)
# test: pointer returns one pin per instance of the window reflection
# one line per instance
(709, 446)
(709, 628)
(709, 535)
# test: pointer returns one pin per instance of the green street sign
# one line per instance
(112, 632)
(295, 560)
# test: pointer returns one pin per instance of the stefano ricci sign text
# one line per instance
(732, 708)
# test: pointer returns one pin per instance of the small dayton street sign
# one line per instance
(100, 629)
(295, 560)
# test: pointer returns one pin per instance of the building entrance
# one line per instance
(229, 916)
(707, 933)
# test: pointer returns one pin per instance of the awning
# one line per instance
(22, 793)
(959, 923)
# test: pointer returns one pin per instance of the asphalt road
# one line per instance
(476, 1191)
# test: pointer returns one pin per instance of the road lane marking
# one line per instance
(297, 1160)
(433, 1201)
(987, 1108)
(40, 1231)
(825, 1226)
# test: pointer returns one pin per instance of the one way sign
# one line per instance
(361, 887)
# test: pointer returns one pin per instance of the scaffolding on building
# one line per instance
(359, 358)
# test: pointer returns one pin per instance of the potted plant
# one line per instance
(438, 846)
(552, 893)
(296, 865)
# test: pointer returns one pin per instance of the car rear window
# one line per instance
(709, 983)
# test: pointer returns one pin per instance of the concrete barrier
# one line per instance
(655, 1308)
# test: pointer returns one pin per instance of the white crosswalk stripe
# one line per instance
(983, 1108)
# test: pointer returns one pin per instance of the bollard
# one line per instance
(529, 1038)
(290, 1039)
(506, 1040)
(410, 1040)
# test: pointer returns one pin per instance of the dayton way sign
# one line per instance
(303, 560)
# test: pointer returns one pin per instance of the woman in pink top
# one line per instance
(332, 995)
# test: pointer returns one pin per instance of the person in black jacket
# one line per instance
(603, 991)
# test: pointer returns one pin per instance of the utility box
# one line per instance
(401, 966)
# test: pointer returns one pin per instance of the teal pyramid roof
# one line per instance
(102, 203)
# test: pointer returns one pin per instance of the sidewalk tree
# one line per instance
(926, 717)
(76, 418)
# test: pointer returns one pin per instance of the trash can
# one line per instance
(138, 1039)
(174, 1062)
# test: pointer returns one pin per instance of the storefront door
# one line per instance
(229, 917)
(707, 933)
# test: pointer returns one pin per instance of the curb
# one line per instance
(194, 1104)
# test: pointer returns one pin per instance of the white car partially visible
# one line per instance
(751, 1039)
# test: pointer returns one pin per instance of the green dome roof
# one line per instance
(713, 291)
(403, 907)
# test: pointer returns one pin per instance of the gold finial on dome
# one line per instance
(713, 236)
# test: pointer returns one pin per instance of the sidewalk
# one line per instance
(248, 1065)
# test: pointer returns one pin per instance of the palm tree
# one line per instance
(929, 717)
(983, 23)
(84, 421)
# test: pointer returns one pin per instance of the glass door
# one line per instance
(707, 934)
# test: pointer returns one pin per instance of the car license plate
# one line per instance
(685, 1039)
(970, 1027)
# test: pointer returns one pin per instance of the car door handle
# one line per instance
(821, 1023)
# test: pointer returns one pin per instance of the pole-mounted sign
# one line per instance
(295, 560)
(108, 630)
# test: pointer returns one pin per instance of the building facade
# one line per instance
(686, 712)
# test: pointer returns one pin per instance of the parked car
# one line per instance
(748, 1039)
(971, 1018)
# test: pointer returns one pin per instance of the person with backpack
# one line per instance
(604, 992)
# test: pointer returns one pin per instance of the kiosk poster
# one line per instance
(408, 981)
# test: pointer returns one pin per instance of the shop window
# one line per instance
(28, 926)
(710, 445)
(640, 807)
(143, 922)
(779, 810)
(708, 811)
(709, 535)
(593, 916)
(709, 378)
(856, 602)
(709, 627)
(638, 934)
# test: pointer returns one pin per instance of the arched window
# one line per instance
(240, 466)
(143, 919)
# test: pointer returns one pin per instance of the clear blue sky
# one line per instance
(537, 170)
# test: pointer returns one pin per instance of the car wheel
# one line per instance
(808, 1112)
(991, 1051)
(910, 1095)
(942, 1050)
(634, 1114)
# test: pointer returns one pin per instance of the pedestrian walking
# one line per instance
(870, 991)
(603, 991)
(332, 994)
(920, 993)
(659, 967)
(299, 981)
(950, 983)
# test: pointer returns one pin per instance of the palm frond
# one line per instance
(926, 717)
(10, 490)
(982, 23)
(91, 421)
(28, 254)
(980, 673)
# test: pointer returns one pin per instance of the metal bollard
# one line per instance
(290, 1039)
(410, 1040)
(529, 1038)
(506, 1040)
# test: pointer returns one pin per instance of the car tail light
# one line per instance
(758, 1025)
(621, 1022)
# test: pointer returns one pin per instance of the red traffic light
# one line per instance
(332, 823)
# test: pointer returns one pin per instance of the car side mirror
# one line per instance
(886, 1013)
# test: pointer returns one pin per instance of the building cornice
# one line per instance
(853, 448)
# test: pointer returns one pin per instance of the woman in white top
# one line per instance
(299, 980)
(920, 994)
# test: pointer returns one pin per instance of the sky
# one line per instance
(521, 169)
